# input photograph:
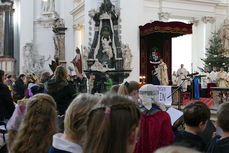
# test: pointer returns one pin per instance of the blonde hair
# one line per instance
(61, 73)
(114, 89)
(76, 115)
(126, 88)
(38, 127)
(176, 149)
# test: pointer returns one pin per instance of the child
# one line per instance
(38, 126)
(221, 144)
(113, 126)
(74, 125)
(130, 89)
(196, 115)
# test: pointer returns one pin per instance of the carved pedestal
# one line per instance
(220, 95)
(7, 64)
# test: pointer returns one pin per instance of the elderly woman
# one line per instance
(59, 88)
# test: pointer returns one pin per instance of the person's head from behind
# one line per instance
(113, 126)
(38, 127)
(222, 117)
(2, 76)
(61, 73)
(22, 77)
(44, 77)
(196, 115)
(131, 89)
(114, 89)
(176, 149)
(149, 94)
(76, 116)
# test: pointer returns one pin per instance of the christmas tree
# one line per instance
(215, 54)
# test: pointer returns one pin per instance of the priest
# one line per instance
(182, 74)
(163, 74)
(222, 78)
(213, 75)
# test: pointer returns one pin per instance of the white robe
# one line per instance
(182, 74)
(174, 80)
(205, 80)
(222, 79)
(213, 76)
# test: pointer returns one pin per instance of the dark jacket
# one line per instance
(218, 146)
(155, 80)
(81, 85)
(19, 88)
(63, 93)
(6, 103)
(189, 140)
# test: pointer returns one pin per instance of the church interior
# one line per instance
(170, 56)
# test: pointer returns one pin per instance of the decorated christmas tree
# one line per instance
(215, 54)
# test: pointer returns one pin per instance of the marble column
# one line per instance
(78, 35)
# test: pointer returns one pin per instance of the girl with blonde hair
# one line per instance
(113, 126)
(38, 126)
(130, 89)
(74, 125)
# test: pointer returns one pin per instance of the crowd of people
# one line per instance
(51, 115)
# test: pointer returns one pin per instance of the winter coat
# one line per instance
(63, 93)
(6, 103)
(19, 88)
(218, 146)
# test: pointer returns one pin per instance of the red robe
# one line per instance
(156, 132)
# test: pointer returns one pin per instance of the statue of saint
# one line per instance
(224, 35)
(77, 62)
(106, 47)
(163, 74)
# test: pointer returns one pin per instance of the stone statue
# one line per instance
(127, 57)
(224, 35)
(48, 6)
(106, 47)
(28, 61)
(77, 62)
(33, 62)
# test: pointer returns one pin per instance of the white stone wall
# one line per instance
(133, 14)
(42, 36)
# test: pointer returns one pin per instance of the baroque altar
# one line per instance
(106, 51)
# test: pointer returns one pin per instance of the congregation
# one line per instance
(52, 114)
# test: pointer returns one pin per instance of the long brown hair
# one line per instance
(38, 127)
(126, 88)
(76, 115)
(61, 73)
(110, 125)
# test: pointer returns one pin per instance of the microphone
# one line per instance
(186, 79)
(193, 74)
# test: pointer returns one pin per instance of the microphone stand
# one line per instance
(178, 88)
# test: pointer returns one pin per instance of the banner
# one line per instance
(164, 93)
